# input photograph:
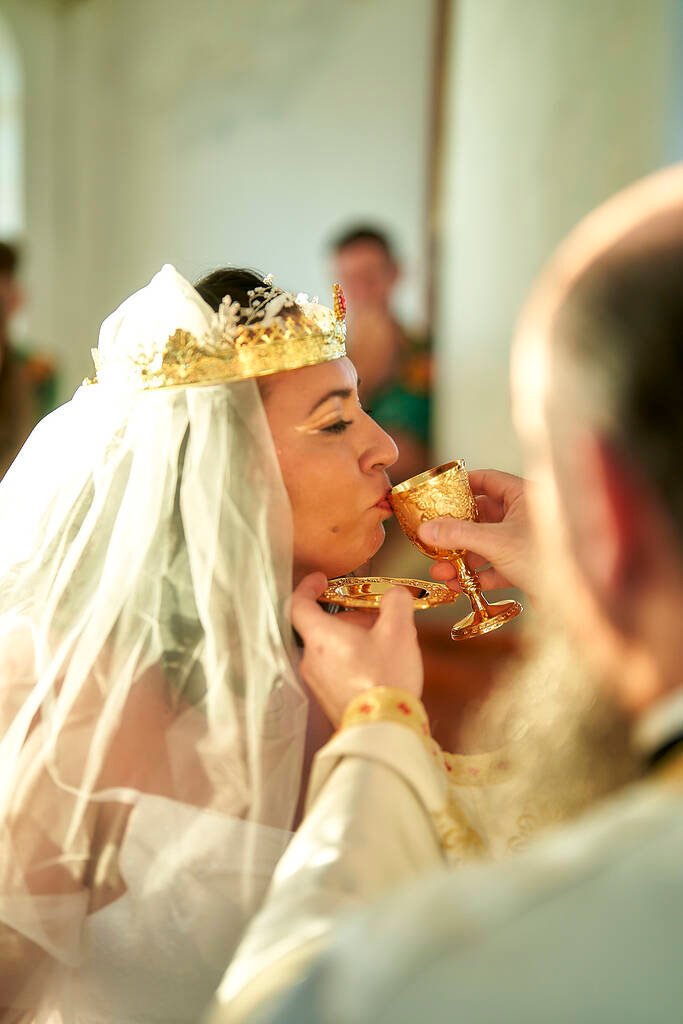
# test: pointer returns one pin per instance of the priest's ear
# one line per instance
(617, 530)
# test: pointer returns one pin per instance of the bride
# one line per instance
(152, 725)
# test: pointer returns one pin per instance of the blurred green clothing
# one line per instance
(405, 403)
(28, 392)
(43, 379)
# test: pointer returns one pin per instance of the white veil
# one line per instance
(145, 563)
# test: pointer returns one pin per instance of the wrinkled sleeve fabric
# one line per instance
(374, 820)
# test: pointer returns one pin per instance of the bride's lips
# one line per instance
(383, 503)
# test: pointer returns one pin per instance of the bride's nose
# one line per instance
(380, 451)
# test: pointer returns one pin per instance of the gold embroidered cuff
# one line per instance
(387, 704)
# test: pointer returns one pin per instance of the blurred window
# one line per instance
(11, 137)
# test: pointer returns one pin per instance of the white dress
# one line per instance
(158, 952)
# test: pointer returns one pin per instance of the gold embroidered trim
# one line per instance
(457, 837)
(477, 769)
(387, 704)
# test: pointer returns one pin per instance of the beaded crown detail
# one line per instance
(277, 331)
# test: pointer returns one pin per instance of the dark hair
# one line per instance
(364, 233)
(622, 326)
(9, 259)
(236, 282)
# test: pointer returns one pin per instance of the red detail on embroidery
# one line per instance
(473, 771)
(404, 708)
(425, 729)
(503, 765)
(449, 767)
(365, 709)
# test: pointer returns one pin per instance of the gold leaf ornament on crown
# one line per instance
(277, 331)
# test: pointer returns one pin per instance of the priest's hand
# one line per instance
(497, 545)
(342, 658)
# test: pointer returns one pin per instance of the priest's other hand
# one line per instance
(497, 545)
(342, 658)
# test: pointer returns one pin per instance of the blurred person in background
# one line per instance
(394, 365)
(28, 383)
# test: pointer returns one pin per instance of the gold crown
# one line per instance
(277, 331)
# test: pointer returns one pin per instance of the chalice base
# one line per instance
(492, 617)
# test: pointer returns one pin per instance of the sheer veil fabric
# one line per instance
(146, 680)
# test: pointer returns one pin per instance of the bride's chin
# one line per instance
(375, 544)
(381, 537)
(355, 564)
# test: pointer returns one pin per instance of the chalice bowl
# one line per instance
(445, 491)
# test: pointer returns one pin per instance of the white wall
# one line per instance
(553, 105)
(33, 27)
(219, 131)
(11, 135)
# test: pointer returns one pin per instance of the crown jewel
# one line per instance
(276, 331)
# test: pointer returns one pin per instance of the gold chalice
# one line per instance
(445, 491)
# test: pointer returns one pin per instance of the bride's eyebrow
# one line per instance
(337, 393)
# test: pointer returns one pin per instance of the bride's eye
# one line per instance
(337, 428)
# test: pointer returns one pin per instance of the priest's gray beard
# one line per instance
(569, 743)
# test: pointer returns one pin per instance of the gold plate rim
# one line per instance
(437, 593)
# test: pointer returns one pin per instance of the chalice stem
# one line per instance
(484, 617)
(470, 586)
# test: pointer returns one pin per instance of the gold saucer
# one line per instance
(367, 591)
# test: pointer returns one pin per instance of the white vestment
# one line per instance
(583, 927)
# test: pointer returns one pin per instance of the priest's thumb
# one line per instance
(460, 535)
(396, 613)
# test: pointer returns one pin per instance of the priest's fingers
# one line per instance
(445, 572)
(396, 612)
(399, 652)
(342, 659)
(505, 544)
(462, 535)
(364, 619)
(502, 487)
(305, 610)
(489, 577)
(490, 511)
(312, 586)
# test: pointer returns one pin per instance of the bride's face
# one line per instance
(334, 459)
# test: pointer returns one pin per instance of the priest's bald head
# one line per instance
(597, 386)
